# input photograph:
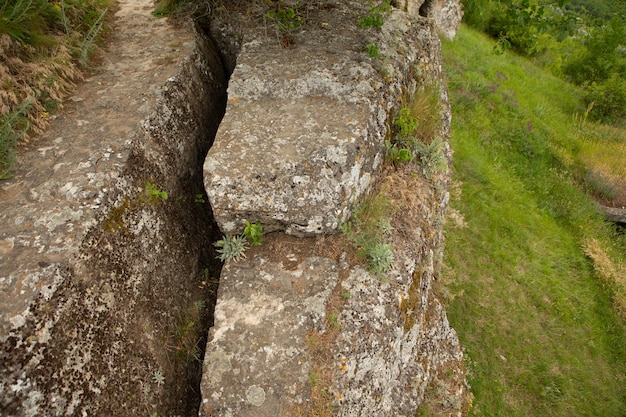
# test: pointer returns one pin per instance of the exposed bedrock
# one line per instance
(301, 327)
(97, 267)
(305, 127)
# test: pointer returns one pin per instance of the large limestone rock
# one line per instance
(301, 138)
(301, 327)
(306, 121)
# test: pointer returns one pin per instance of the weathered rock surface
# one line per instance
(445, 14)
(300, 140)
(257, 361)
(305, 126)
(97, 268)
(301, 328)
(94, 270)
(614, 214)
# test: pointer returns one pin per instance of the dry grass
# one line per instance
(41, 60)
(612, 274)
(46, 81)
(426, 108)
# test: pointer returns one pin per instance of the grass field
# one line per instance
(534, 277)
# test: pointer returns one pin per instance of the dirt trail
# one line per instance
(62, 177)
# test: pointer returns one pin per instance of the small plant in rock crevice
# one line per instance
(333, 321)
(368, 229)
(373, 50)
(158, 377)
(231, 247)
(154, 194)
(431, 156)
(379, 257)
(375, 16)
(187, 334)
(415, 137)
(254, 232)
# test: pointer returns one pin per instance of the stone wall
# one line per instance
(99, 271)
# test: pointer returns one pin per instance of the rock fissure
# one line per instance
(107, 240)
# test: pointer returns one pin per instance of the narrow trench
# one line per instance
(207, 262)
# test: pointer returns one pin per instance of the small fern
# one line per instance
(231, 247)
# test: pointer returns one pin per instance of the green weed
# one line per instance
(431, 156)
(231, 247)
(367, 230)
(415, 135)
(406, 123)
(332, 320)
(285, 19)
(375, 17)
(254, 232)
(154, 194)
(397, 154)
(187, 335)
(373, 50)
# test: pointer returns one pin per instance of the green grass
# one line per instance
(542, 333)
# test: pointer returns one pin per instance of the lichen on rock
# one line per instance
(301, 326)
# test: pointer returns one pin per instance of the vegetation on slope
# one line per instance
(44, 46)
(583, 41)
(535, 279)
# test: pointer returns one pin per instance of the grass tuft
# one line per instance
(368, 229)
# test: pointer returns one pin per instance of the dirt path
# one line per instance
(61, 178)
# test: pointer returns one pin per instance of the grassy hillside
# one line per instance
(534, 278)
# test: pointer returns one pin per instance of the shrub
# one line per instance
(609, 98)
